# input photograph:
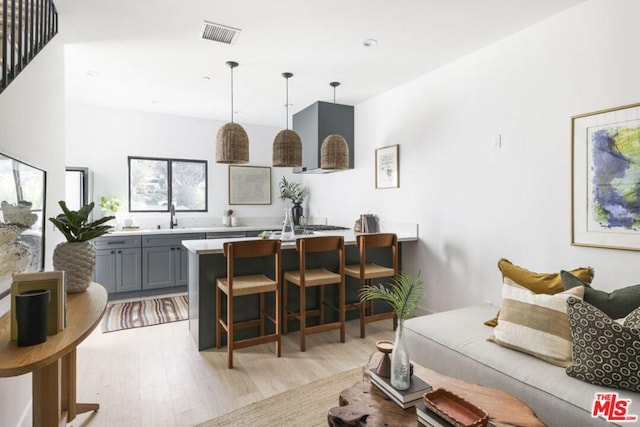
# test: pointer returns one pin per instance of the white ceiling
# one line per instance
(148, 55)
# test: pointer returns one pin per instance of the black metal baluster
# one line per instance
(20, 35)
(32, 29)
(12, 70)
(3, 76)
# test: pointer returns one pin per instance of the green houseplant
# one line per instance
(77, 256)
(294, 191)
(403, 296)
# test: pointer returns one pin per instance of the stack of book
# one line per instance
(427, 417)
(404, 398)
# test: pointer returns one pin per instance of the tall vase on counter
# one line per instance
(295, 192)
(288, 232)
(296, 212)
(403, 295)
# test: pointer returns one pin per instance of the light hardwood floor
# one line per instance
(155, 376)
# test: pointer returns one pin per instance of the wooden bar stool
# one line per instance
(316, 277)
(235, 286)
(366, 272)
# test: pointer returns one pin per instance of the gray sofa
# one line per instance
(455, 343)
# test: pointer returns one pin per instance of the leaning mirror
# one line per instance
(22, 201)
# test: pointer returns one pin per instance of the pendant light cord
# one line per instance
(287, 102)
(232, 95)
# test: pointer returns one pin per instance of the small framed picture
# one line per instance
(52, 281)
(388, 166)
(249, 185)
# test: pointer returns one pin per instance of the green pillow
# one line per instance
(616, 304)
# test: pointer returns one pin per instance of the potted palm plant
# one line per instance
(77, 256)
(403, 296)
(295, 192)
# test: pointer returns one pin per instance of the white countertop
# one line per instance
(186, 230)
(214, 246)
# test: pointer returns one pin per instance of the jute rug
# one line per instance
(304, 406)
(136, 314)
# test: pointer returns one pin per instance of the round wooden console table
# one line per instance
(53, 363)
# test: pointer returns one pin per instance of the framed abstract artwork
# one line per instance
(387, 167)
(249, 185)
(605, 189)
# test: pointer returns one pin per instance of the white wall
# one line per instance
(32, 130)
(102, 139)
(475, 203)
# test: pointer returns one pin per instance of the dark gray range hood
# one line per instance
(314, 124)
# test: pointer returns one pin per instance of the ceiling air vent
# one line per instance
(219, 33)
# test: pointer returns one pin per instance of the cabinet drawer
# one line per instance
(117, 242)
(169, 239)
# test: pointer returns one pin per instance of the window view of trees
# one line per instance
(153, 182)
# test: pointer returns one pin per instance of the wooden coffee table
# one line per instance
(363, 404)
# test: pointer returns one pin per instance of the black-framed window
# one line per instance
(156, 183)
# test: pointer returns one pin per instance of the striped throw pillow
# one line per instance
(536, 324)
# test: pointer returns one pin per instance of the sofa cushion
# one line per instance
(616, 304)
(633, 319)
(604, 352)
(536, 324)
(540, 283)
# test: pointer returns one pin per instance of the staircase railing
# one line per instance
(26, 27)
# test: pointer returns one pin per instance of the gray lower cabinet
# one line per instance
(165, 260)
(118, 263)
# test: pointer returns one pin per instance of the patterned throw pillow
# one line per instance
(616, 304)
(604, 352)
(633, 319)
(539, 283)
(536, 324)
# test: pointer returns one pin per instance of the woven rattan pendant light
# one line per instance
(334, 152)
(232, 142)
(287, 146)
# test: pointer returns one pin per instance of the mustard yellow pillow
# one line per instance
(539, 283)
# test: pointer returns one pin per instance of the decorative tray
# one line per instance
(455, 409)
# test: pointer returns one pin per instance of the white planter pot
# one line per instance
(78, 261)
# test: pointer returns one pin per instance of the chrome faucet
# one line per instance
(173, 220)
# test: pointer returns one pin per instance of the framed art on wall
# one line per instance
(387, 167)
(605, 188)
(22, 216)
(249, 185)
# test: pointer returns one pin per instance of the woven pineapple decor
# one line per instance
(232, 144)
(287, 149)
(334, 153)
(78, 261)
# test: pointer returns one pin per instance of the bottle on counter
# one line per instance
(288, 227)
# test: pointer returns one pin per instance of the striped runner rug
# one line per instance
(147, 312)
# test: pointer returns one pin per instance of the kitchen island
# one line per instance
(206, 262)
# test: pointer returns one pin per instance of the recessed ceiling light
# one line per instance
(370, 42)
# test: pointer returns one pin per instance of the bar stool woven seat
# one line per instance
(251, 284)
